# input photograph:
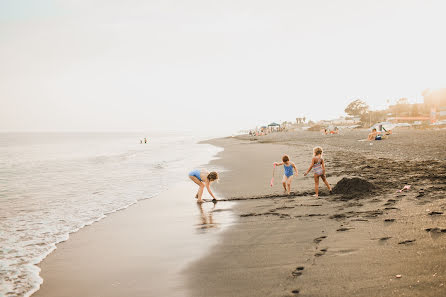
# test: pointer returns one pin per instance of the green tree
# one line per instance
(356, 108)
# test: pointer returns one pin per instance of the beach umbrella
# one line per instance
(273, 125)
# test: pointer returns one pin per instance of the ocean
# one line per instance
(53, 184)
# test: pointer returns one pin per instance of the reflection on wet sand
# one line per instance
(206, 216)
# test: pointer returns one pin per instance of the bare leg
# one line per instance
(324, 179)
(288, 183)
(200, 189)
(284, 183)
(200, 193)
(316, 185)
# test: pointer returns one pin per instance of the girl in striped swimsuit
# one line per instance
(318, 165)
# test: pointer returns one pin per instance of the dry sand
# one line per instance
(339, 245)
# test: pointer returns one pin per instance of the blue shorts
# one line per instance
(195, 173)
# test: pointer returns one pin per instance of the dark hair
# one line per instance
(285, 158)
(212, 176)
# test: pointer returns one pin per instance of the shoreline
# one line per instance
(48, 263)
(92, 262)
(55, 245)
(281, 245)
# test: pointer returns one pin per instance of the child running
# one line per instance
(288, 172)
(203, 179)
(318, 165)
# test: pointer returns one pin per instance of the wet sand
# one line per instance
(347, 244)
(139, 251)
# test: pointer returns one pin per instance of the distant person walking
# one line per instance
(203, 179)
(289, 168)
(318, 165)
(145, 140)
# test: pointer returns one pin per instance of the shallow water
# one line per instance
(52, 184)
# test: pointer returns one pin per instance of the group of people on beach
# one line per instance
(379, 135)
(203, 178)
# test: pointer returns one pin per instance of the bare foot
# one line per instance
(200, 201)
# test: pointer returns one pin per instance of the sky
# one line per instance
(206, 65)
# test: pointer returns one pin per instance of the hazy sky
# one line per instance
(105, 65)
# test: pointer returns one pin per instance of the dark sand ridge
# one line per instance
(340, 245)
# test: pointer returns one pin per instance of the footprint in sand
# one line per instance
(338, 216)
(389, 220)
(385, 238)
(435, 213)
(248, 215)
(420, 194)
(435, 230)
(343, 229)
(298, 271)
(295, 291)
(283, 207)
(319, 239)
(321, 252)
(407, 241)
(390, 202)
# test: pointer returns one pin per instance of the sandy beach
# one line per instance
(120, 120)
(374, 242)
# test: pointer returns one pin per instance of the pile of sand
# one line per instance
(355, 185)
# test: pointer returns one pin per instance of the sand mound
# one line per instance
(355, 185)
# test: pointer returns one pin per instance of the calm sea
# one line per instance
(52, 184)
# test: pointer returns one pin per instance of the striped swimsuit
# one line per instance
(317, 167)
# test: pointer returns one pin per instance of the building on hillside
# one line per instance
(341, 121)
(435, 100)
(408, 113)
